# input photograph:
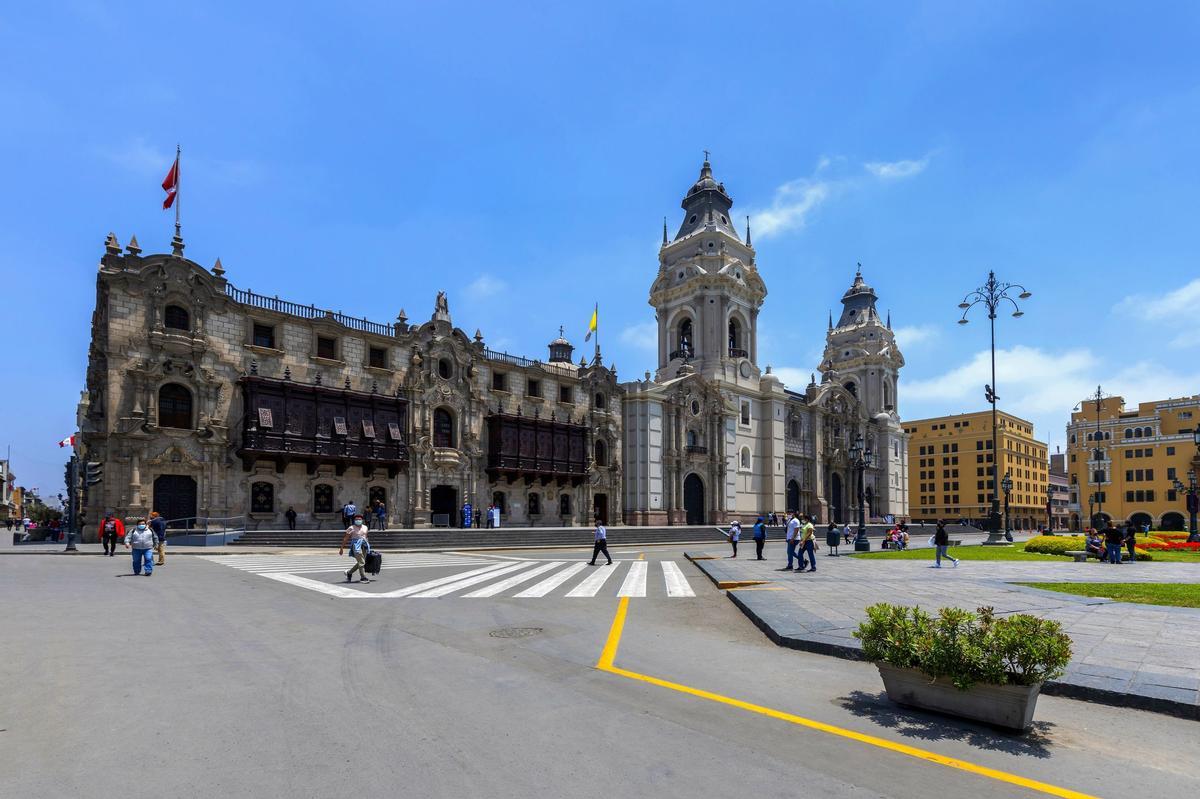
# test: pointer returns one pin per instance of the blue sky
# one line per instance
(363, 156)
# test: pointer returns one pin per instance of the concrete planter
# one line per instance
(1009, 706)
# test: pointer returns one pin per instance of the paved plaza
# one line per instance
(1134, 655)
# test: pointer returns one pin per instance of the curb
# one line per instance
(1100, 696)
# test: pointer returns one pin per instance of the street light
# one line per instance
(1006, 484)
(993, 295)
(861, 459)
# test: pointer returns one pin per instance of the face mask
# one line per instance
(358, 521)
(141, 527)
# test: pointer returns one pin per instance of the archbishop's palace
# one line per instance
(204, 400)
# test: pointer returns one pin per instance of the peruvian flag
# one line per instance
(69, 441)
(170, 183)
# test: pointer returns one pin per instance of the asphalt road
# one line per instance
(207, 680)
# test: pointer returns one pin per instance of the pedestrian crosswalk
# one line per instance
(477, 577)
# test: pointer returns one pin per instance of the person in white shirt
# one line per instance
(356, 537)
(601, 544)
(734, 534)
(793, 528)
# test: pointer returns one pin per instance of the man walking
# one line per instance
(141, 541)
(158, 526)
(808, 545)
(111, 528)
(760, 537)
(793, 529)
(356, 537)
(290, 515)
(601, 544)
(941, 540)
(348, 511)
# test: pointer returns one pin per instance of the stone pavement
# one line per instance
(1143, 656)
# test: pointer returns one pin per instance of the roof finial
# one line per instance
(831, 320)
(561, 331)
(217, 269)
(747, 231)
(706, 156)
(664, 231)
(889, 321)
(858, 271)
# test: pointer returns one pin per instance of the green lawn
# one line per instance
(970, 552)
(1186, 595)
(1014, 552)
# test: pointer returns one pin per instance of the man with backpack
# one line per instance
(111, 529)
(356, 537)
(760, 537)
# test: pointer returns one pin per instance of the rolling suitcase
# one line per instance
(374, 562)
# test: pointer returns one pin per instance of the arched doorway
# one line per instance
(600, 507)
(693, 499)
(175, 499)
(1142, 520)
(793, 495)
(1100, 520)
(443, 506)
(1172, 521)
(837, 510)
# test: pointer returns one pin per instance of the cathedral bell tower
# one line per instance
(708, 291)
(861, 351)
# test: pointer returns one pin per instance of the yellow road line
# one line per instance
(609, 654)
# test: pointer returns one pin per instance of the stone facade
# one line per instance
(711, 436)
(175, 347)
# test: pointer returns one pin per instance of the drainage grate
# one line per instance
(515, 632)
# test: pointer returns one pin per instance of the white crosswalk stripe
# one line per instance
(483, 578)
(677, 584)
(635, 581)
(592, 584)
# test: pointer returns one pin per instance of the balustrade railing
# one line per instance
(247, 297)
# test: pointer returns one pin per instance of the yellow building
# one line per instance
(950, 468)
(1142, 452)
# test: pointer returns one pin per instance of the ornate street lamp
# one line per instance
(861, 460)
(1006, 484)
(993, 295)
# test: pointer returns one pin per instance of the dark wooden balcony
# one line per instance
(287, 422)
(697, 449)
(542, 450)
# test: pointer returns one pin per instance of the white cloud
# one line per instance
(1172, 312)
(894, 170)
(484, 287)
(910, 336)
(790, 207)
(641, 336)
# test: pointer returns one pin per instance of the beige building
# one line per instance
(950, 468)
(1122, 463)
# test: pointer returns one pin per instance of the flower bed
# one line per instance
(1170, 546)
(1062, 544)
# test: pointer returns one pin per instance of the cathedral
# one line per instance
(206, 401)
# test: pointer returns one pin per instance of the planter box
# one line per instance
(1008, 706)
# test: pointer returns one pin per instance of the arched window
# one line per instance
(1072, 438)
(176, 318)
(1149, 432)
(535, 504)
(175, 407)
(735, 339)
(1129, 432)
(262, 498)
(601, 400)
(500, 501)
(745, 458)
(887, 394)
(322, 498)
(564, 505)
(1137, 433)
(685, 343)
(601, 452)
(852, 387)
(443, 428)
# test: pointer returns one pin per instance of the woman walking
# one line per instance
(941, 540)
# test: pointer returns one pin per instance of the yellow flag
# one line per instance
(592, 324)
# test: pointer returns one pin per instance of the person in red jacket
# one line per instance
(110, 530)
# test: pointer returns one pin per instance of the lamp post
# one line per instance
(1050, 508)
(1191, 492)
(993, 294)
(860, 459)
(1006, 484)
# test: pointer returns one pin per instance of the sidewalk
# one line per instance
(1142, 656)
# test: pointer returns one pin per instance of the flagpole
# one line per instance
(596, 311)
(177, 244)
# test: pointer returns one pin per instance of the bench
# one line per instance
(1080, 557)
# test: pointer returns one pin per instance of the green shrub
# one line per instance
(1062, 544)
(964, 647)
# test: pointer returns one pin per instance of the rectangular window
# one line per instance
(498, 382)
(377, 357)
(564, 394)
(1149, 494)
(1129, 475)
(1149, 475)
(264, 336)
(1129, 496)
(1170, 472)
(954, 461)
(1171, 495)
(945, 448)
(745, 412)
(326, 348)
(1170, 450)
(981, 499)
(954, 447)
(533, 388)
